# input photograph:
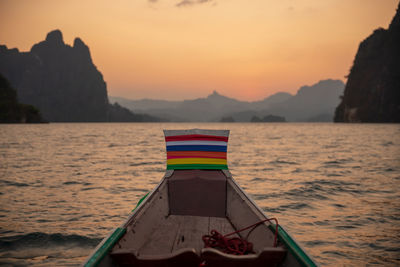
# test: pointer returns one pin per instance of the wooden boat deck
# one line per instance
(154, 230)
(156, 237)
(195, 197)
(181, 231)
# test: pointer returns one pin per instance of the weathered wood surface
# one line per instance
(161, 241)
(190, 232)
(242, 213)
(154, 231)
(222, 225)
(152, 214)
(174, 232)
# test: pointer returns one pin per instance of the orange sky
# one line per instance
(246, 49)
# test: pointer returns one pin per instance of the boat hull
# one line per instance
(160, 233)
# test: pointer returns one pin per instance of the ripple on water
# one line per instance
(282, 162)
(76, 182)
(314, 243)
(13, 183)
(144, 163)
(290, 207)
(309, 193)
(258, 179)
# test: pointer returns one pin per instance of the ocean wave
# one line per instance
(146, 163)
(91, 188)
(337, 163)
(280, 162)
(76, 182)
(12, 183)
(317, 242)
(311, 192)
(39, 239)
(258, 179)
(390, 143)
(283, 208)
(330, 182)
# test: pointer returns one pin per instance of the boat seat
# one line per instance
(183, 257)
(268, 257)
(197, 193)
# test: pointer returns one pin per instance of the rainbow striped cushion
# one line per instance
(196, 149)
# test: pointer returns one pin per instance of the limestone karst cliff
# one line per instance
(372, 92)
(62, 81)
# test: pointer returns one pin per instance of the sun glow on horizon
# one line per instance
(245, 50)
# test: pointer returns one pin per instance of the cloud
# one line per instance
(187, 3)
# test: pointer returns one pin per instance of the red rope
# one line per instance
(235, 245)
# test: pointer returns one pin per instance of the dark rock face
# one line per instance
(60, 80)
(372, 92)
(11, 111)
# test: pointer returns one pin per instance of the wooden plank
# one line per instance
(168, 236)
(190, 233)
(221, 225)
(242, 213)
(153, 214)
(162, 239)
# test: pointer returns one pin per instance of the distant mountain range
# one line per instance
(64, 84)
(310, 103)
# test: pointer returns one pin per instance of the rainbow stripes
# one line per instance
(196, 149)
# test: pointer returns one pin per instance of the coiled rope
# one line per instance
(235, 245)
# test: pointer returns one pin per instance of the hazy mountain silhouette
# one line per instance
(201, 109)
(309, 102)
(211, 108)
(271, 100)
(372, 92)
(61, 81)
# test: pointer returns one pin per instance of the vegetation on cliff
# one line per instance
(11, 111)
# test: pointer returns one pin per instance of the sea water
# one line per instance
(334, 187)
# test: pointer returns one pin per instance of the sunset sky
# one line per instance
(183, 49)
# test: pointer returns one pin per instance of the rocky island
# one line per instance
(372, 92)
(62, 81)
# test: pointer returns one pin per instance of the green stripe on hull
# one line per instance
(114, 237)
(197, 167)
(140, 201)
(296, 250)
(103, 250)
